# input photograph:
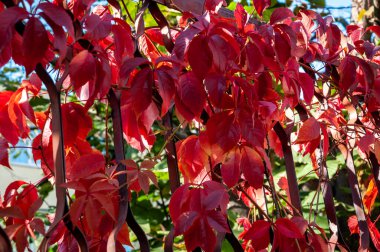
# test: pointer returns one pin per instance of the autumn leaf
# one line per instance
(82, 68)
(35, 43)
(4, 158)
(259, 234)
(261, 5)
(310, 130)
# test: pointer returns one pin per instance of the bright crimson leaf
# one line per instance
(261, 5)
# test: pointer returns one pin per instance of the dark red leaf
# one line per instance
(190, 89)
(280, 14)
(347, 69)
(128, 66)
(259, 234)
(286, 227)
(98, 27)
(35, 43)
(8, 18)
(307, 85)
(199, 56)
(214, 5)
(58, 15)
(124, 46)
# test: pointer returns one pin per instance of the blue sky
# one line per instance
(338, 3)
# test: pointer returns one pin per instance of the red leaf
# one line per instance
(261, 5)
(166, 87)
(195, 213)
(82, 68)
(241, 16)
(86, 165)
(183, 40)
(333, 38)
(7, 128)
(347, 70)
(282, 46)
(259, 234)
(185, 221)
(190, 89)
(375, 29)
(200, 235)
(310, 130)
(5, 55)
(216, 86)
(191, 159)
(218, 221)
(58, 15)
(76, 123)
(223, 130)
(231, 168)
(214, 5)
(59, 37)
(4, 159)
(136, 133)
(124, 45)
(128, 66)
(35, 43)
(8, 18)
(287, 228)
(252, 167)
(98, 27)
(139, 96)
(307, 85)
(353, 225)
(279, 14)
(199, 56)
(147, 47)
(254, 57)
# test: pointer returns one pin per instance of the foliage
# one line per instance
(191, 125)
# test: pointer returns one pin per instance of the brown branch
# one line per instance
(290, 168)
(62, 208)
(356, 197)
(114, 102)
(5, 243)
